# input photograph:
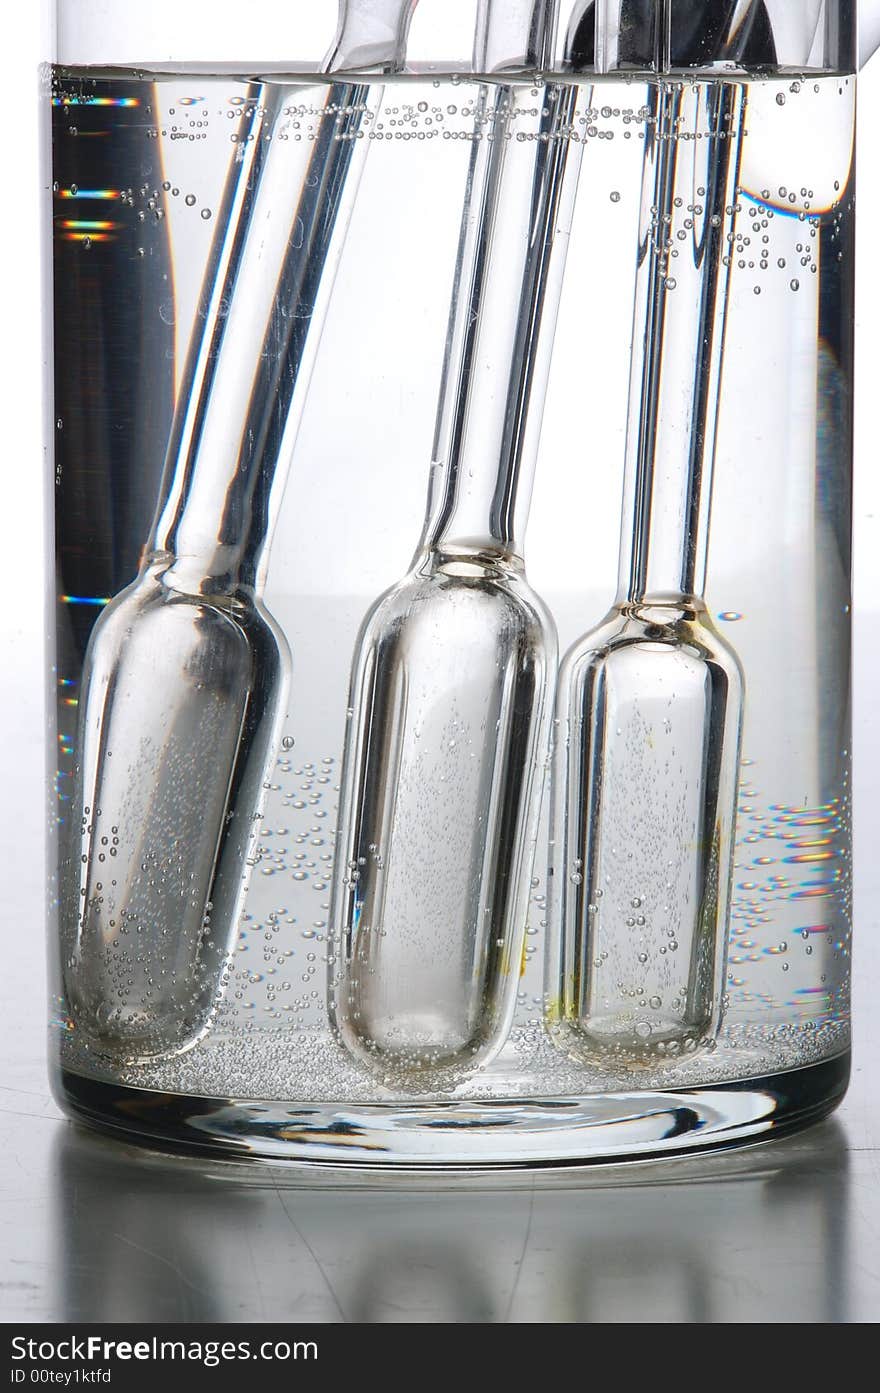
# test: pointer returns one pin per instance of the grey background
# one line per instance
(93, 1230)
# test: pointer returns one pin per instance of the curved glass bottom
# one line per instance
(467, 1137)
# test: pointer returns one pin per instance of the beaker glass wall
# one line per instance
(452, 442)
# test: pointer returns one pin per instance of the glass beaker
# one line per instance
(349, 870)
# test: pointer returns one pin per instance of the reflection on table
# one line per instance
(745, 1236)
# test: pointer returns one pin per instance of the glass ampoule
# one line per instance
(650, 702)
(452, 679)
(186, 675)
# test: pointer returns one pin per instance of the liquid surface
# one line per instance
(139, 167)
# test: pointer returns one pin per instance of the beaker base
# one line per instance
(467, 1137)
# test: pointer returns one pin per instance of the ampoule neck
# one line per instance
(662, 608)
(475, 559)
(187, 575)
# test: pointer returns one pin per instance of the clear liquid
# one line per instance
(129, 274)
